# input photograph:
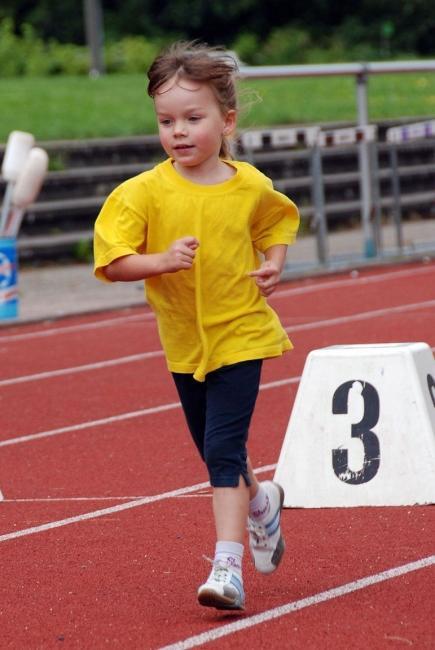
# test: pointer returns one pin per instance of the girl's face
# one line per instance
(191, 124)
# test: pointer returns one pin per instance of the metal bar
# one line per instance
(395, 187)
(274, 71)
(335, 69)
(376, 194)
(318, 199)
(369, 247)
(389, 67)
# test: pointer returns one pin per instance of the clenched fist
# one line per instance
(181, 254)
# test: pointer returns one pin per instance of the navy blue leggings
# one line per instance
(218, 412)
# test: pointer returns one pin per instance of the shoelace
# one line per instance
(259, 533)
(220, 569)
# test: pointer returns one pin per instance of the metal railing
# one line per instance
(361, 72)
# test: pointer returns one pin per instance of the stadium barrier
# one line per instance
(315, 140)
(361, 72)
(399, 135)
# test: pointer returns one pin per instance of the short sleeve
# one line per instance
(120, 229)
(276, 219)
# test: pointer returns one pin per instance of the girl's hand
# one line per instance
(267, 277)
(181, 254)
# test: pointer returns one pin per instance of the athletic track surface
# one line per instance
(106, 510)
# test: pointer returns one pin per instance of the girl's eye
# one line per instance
(194, 118)
(165, 122)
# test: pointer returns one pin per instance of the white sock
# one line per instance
(259, 506)
(231, 553)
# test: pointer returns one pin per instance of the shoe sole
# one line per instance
(279, 552)
(209, 598)
(280, 547)
(281, 496)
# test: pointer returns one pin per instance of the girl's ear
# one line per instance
(230, 122)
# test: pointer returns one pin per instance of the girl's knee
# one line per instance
(226, 466)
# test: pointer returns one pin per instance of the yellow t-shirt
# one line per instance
(213, 314)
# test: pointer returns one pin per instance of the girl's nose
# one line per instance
(179, 127)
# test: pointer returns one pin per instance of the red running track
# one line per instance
(106, 513)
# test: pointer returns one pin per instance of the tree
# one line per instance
(407, 25)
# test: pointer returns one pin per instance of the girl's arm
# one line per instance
(180, 255)
(269, 273)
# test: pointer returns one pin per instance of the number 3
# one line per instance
(361, 430)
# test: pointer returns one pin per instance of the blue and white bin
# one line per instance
(9, 298)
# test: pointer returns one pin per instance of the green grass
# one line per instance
(75, 107)
(117, 105)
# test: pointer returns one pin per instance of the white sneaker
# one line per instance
(223, 589)
(266, 543)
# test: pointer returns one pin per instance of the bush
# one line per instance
(247, 47)
(66, 58)
(12, 60)
(36, 61)
(28, 55)
(288, 46)
(130, 54)
(285, 46)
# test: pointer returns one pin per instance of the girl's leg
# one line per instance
(231, 395)
(193, 397)
(230, 509)
(253, 488)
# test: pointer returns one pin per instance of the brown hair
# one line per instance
(198, 62)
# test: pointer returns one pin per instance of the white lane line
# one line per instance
(205, 492)
(335, 284)
(86, 367)
(100, 513)
(122, 416)
(71, 499)
(195, 496)
(86, 499)
(352, 281)
(364, 315)
(91, 423)
(377, 313)
(296, 605)
(53, 331)
(119, 508)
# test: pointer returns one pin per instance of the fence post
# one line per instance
(376, 194)
(318, 199)
(364, 161)
(394, 136)
(395, 187)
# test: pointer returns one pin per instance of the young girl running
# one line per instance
(193, 227)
